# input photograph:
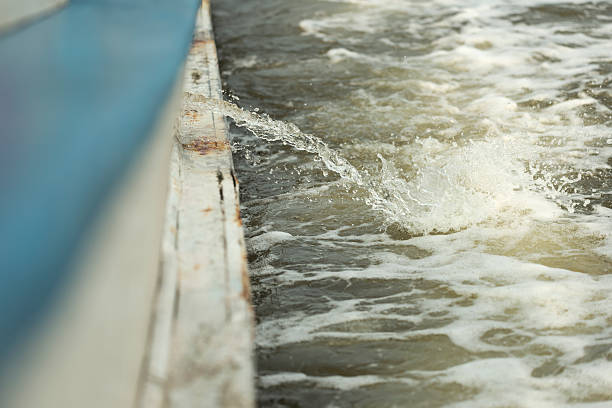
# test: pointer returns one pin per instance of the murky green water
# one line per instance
(472, 265)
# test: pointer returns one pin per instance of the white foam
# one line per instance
(508, 381)
(246, 62)
(495, 147)
(340, 54)
(337, 382)
(264, 241)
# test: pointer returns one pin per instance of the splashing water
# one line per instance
(272, 130)
(488, 119)
(449, 190)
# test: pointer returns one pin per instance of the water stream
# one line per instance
(444, 239)
(400, 200)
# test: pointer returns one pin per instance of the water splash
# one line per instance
(272, 130)
(453, 187)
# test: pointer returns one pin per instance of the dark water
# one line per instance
(471, 268)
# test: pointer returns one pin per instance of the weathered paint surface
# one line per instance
(200, 353)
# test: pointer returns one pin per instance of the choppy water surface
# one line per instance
(446, 241)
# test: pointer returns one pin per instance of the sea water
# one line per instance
(427, 199)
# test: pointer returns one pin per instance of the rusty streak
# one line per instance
(205, 146)
(246, 289)
(238, 218)
(198, 44)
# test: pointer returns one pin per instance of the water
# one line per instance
(438, 231)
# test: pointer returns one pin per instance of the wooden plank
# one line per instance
(202, 336)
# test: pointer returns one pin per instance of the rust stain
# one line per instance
(206, 210)
(192, 113)
(196, 267)
(198, 44)
(205, 41)
(246, 287)
(205, 146)
(238, 217)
